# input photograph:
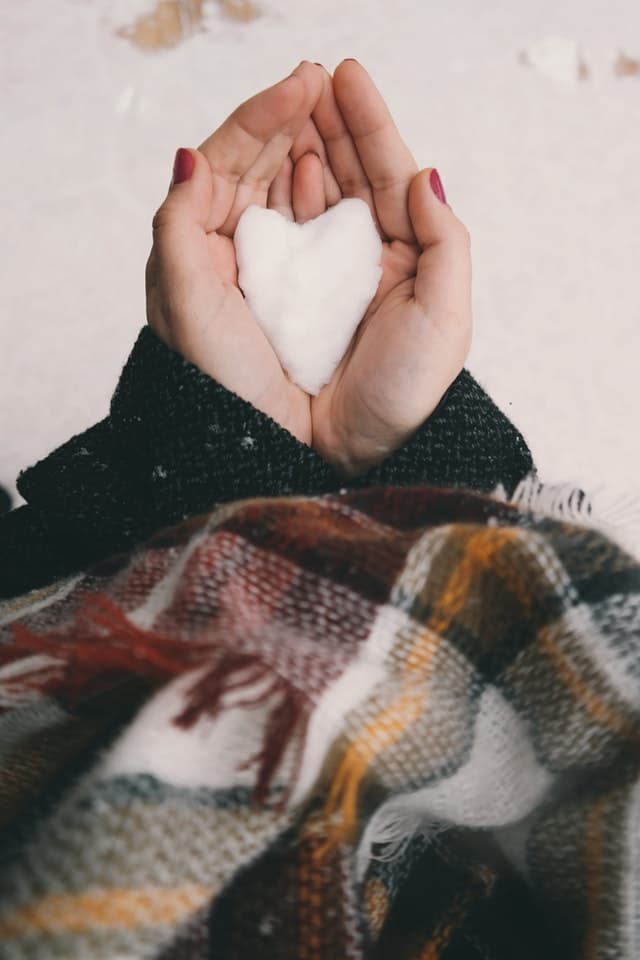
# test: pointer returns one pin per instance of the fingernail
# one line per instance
(182, 166)
(350, 60)
(436, 186)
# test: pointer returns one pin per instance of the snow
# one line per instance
(309, 284)
(543, 172)
(558, 58)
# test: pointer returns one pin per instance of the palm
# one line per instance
(376, 405)
(374, 339)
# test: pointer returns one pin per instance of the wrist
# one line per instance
(352, 455)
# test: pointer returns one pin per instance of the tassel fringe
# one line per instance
(392, 828)
(76, 663)
(616, 515)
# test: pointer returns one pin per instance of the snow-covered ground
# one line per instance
(526, 108)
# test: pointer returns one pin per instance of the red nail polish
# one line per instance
(436, 186)
(182, 166)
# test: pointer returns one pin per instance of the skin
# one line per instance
(299, 147)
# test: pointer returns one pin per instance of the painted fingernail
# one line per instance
(436, 186)
(182, 166)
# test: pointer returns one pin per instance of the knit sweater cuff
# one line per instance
(466, 442)
(176, 442)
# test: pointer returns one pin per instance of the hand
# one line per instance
(416, 334)
(299, 147)
(194, 303)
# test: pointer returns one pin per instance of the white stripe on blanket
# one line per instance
(211, 753)
(500, 783)
(581, 627)
(368, 668)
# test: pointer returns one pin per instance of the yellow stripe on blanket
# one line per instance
(481, 549)
(117, 907)
(595, 706)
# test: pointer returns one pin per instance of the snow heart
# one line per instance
(308, 285)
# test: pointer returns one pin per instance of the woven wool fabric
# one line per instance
(400, 722)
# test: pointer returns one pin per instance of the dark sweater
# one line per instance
(176, 443)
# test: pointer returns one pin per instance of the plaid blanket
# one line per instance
(400, 722)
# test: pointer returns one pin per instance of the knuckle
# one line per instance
(151, 268)
(353, 186)
(161, 218)
(463, 235)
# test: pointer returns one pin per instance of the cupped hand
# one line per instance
(193, 300)
(298, 148)
(416, 333)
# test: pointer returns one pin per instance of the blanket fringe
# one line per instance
(390, 831)
(286, 724)
(73, 664)
(616, 515)
(82, 663)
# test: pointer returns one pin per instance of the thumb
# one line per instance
(443, 280)
(190, 192)
(180, 282)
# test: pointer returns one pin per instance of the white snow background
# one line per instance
(542, 167)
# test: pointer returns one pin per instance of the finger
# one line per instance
(386, 160)
(310, 141)
(236, 144)
(341, 151)
(443, 280)
(309, 198)
(181, 255)
(189, 194)
(253, 185)
(233, 148)
(280, 197)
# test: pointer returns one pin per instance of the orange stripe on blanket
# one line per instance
(602, 712)
(387, 728)
(593, 861)
(117, 907)
(480, 552)
(444, 932)
(380, 734)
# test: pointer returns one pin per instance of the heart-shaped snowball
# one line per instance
(309, 284)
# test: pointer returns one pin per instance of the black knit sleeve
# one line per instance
(466, 442)
(176, 443)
